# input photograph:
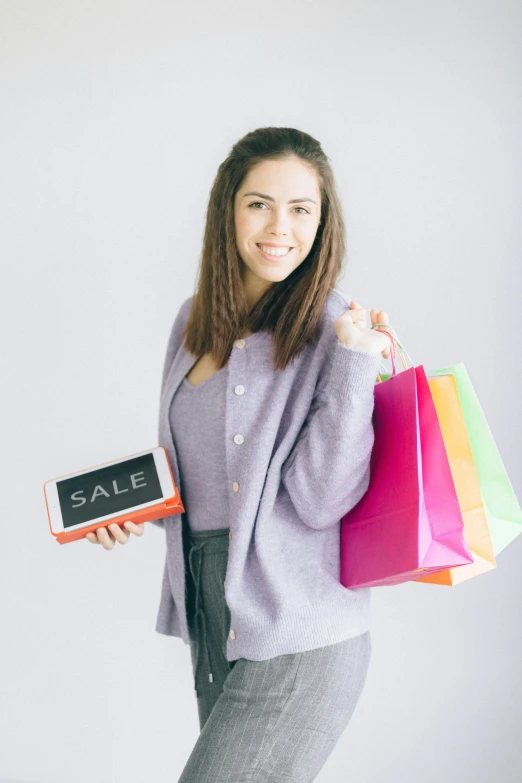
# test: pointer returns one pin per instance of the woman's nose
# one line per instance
(278, 222)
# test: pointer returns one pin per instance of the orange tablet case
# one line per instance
(166, 508)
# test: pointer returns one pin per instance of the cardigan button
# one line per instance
(240, 343)
(238, 439)
(232, 633)
(235, 486)
(239, 390)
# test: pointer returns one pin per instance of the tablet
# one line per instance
(139, 487)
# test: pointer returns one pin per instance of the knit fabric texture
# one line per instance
(295, 459)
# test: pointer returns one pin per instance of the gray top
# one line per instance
(197, 419)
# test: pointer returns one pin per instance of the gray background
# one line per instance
(115, 117)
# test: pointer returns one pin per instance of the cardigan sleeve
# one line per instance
(328, 469)
(173, 345)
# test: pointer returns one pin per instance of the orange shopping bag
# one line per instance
(456, 441)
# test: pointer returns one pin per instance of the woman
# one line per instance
(266, 414)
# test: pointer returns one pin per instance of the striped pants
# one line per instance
(261, 721)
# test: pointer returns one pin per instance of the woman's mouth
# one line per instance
(274, 253)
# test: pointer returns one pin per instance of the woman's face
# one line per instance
(278, 204)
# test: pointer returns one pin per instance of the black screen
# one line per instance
(108, 490)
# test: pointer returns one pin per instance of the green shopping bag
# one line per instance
(502, 508)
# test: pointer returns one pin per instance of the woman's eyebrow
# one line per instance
(269, 198)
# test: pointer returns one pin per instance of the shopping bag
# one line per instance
(408, 522)
(503, 511)
(456, 440)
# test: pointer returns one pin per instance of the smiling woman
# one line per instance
(274, 236)
(266, 413)
(276, 189)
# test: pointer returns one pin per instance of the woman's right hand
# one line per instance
(107, 539)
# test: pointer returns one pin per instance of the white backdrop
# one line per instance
(115, 117)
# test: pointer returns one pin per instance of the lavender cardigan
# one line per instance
(303, 463)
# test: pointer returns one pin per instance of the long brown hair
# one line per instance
(290, 309)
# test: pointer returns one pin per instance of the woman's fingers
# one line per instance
(357, 313)
(132, 527)
(104, 538)
(120, 535)
(357, 307)
(381, 317)
(107, 536)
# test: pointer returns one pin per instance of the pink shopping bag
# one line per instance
(409, 521)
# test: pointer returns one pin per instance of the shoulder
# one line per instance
(182, 317)
(177, 327)
(336, 304)
(184, 310)
(174, 340)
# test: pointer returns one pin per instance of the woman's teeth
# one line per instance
(275, 251)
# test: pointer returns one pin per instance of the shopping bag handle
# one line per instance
(395, 344)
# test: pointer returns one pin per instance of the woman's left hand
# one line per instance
(352, 330)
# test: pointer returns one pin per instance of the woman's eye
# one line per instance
(305, 211)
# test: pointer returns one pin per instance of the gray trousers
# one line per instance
(261, 721)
